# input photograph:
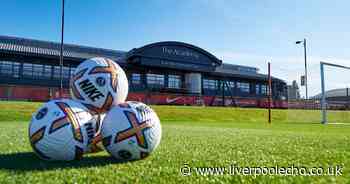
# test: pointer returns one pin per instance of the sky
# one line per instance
(251, 32)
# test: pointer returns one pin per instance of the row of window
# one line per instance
(174, 81)
(212, 84)
(34, 71)
(229, 85)
(10, 68)
(157, 80)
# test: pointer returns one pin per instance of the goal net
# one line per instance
(335, 93)
(309, 106)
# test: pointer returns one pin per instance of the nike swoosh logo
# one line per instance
(169, 100)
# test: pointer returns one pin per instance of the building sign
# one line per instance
(174, 55)
(179, 52)
(176, 64)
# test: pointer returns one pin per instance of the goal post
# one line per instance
(323, 90)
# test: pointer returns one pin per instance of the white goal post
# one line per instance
(323, 95)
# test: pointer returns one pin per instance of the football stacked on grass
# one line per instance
(62, 130)
(99, 83)
(65, 129)
(131, 131)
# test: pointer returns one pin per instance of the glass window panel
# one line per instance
(174, 81)
(6, 68)
(16, 67)
(210, 84)
(47, 71)
(27, 70)
(72, 69)
(264, 89)
(155, 80)
(229, 86)
(38, 70)
(136, 78)
(243, 86)
(65, 72)
(56, 72)
(257, 89)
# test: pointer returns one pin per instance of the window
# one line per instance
(27, 70)
(16, 67)
(243, 87)
(72, 69)
(66, 72)
(6, 68)
(210, 84)
(56, 72)
(136, 78)
(264, 89)
(174, 81)
(9, 68)
(47, 71)
(155, 80)
(257, 89)
(230, 85)
(37, 70)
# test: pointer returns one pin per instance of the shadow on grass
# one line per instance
(28, 161)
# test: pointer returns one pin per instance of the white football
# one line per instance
(131, 131)
(62, 130)
(96, 143)
(98, 83)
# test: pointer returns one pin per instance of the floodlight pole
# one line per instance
(305, 63)
(306, 78)
(61, 50)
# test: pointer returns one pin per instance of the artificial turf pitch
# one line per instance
(196, 136)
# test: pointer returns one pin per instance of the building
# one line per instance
(293, 91)
(159, 73)
(340, 94)
(336, 99)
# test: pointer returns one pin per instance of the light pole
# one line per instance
(61, 50)
(304, 44)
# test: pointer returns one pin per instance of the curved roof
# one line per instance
(136, 51)
(25, 46)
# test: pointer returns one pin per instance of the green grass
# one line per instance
(197, 136)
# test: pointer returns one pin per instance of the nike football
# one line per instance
(131, 131)
(62, 130)
(98, 83)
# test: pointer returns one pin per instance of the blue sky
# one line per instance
(241, 32)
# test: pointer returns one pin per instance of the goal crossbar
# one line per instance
(323, 98)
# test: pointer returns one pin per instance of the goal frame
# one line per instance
(323, 97)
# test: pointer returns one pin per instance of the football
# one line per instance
(62, 130)
(131, 131)
(96, 143)
(98, 83)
